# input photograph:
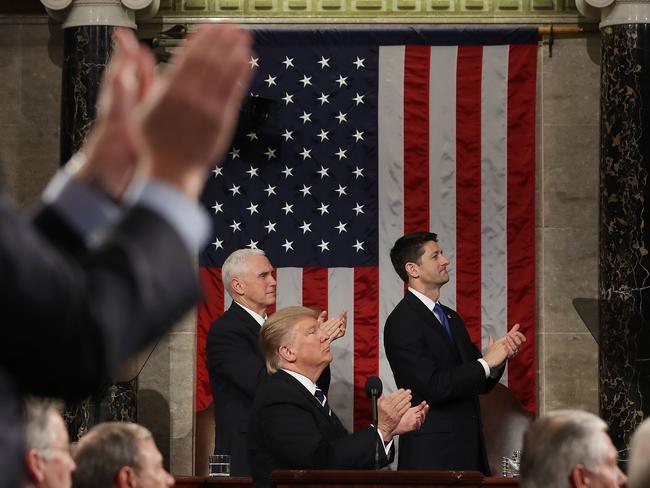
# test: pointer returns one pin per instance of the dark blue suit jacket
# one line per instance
(71, 316)
(448, 376)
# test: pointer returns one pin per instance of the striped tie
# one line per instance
(320, 396)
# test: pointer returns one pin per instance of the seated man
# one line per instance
(639, 467)
(48, 463)
(292, 426)
(117, 455)
(569, 448)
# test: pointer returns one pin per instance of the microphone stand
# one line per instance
(375, 422)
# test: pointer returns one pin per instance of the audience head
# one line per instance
(409, 249)
(119, 454)
(639, 465)
(48, 462)
(569, 448)
(247, 275)
(292, 339)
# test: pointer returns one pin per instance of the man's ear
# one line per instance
(412, 270)
(579, 476)
(34, 466)
(287, 354)
(237, 286)
(126, 478)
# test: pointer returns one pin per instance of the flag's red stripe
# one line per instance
(366, 339)
(416, 138)
(271, 309)
(522, 66)
(314, 288)
(208, 310)
(468, 188)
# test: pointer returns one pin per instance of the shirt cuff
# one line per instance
(86, 209)
(188, 218)
(387, 447)
(486, 368)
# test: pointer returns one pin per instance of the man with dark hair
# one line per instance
(48, 463)
(119, 455)
(235, 363)
(292, 425)
(569, 449)
(431, 353)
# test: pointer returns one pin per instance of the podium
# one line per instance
(356, 479)
(385, 479)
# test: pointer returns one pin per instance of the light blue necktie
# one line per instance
(442, 317)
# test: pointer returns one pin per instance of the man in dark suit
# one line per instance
(292, 425)
(235, 363)
(80, 297)
(430, 352)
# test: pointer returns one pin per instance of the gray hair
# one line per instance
(235, 264)
(106, 449)
(638, 467)
(38, 415)
(556, 443)
(278, 330)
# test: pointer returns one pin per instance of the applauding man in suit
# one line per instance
(430, 352)
(292, 425)
(235, 363)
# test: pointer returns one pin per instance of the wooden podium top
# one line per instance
(357, 479)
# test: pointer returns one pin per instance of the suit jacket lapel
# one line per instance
(427, 316)
(251, 325)
(312, 399)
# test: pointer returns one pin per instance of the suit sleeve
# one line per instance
(416, 367)
(72, 319)
(295, 438)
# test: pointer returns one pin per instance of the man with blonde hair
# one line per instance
(48, 463)
(119, 455)
(235, 364)
(639, 465)
(569, 449)
(292, 425)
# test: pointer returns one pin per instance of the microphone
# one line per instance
(374, 388)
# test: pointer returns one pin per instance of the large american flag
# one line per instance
(376, 133)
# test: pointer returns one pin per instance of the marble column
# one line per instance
(88, 26)
(86, 49)
(624, 284)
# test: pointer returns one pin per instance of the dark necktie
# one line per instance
(442, 317)
(320, 396)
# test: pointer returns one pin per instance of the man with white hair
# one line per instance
(235, 363)
(639, 467)
(119, 455)
(48, 463)
(569, 449)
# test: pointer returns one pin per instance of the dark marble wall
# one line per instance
(624, 232)
(86, 50)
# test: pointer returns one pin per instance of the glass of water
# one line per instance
(219, 465)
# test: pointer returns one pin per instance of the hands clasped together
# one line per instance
(504, 348)
(396, 415)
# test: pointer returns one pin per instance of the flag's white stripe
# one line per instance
(442, 156)
(391, 183)
(494, 92)
(289, 291)
(227, 299)
(340, 285)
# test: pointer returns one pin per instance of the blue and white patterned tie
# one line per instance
(320, 396)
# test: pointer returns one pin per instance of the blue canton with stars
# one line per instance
(303, 187)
